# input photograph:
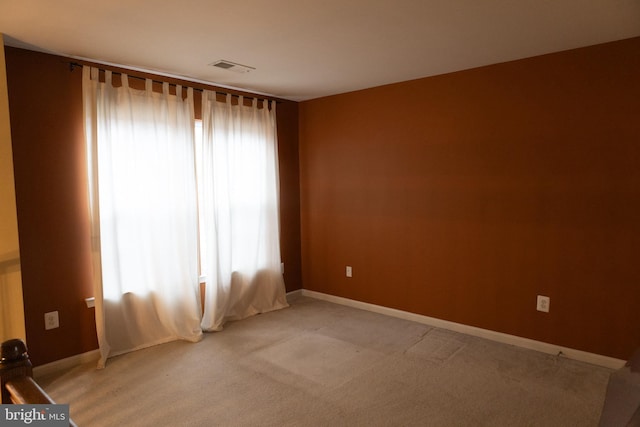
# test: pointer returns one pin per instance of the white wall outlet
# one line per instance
(349, 271)
(282, 268)
(51, 320)
(543, 303)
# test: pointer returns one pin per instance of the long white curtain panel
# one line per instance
(240, 246)
(144, 213)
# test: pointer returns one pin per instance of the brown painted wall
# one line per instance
(45, 101)
(463, 196)
(288, 158)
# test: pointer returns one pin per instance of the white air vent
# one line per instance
(232, 66)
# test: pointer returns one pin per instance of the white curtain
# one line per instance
(238, 186)
(144, 213)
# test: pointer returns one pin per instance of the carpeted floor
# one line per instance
(321, 364)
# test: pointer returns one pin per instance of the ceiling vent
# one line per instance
(232, 66)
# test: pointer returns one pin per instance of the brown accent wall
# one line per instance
(288, 157)
(45, 101)
(463, 196)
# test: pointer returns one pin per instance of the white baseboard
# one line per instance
(583, 356)
(65, 364)
(294, 294)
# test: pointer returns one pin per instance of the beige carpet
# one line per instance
(322, 364)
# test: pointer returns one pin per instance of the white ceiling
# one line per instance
(304, 49)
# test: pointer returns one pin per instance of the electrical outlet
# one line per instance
(543, 303)
(349, 271)
(51, 320)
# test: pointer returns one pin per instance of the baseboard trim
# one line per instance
(294, 294)
(583, 356)
(65, 364)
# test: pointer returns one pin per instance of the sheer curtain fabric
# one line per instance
(143, 206)
(239, 218)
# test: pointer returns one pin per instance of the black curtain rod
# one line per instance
(73, 65)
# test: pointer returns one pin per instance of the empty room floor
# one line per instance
(321, 364)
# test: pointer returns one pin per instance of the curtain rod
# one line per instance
(73, 65)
